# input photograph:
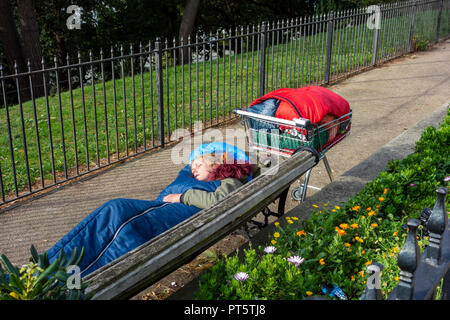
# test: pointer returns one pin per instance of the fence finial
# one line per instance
(436, 226)
(408, 259)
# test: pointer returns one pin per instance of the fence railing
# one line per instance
(420, 273)
(65, 120)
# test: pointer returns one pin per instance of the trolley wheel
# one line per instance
(296, 193)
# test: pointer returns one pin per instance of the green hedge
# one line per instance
(336, 244)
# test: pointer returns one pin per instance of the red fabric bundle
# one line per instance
(312, 102)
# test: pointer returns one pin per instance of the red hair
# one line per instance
(231, 170)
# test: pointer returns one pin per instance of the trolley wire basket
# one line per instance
(284, 137)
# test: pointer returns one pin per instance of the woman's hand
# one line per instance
(174, 197)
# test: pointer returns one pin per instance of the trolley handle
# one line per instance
(300, 122)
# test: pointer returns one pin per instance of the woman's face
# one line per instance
(201, 169)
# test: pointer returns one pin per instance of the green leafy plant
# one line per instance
(338, 243)
(40, 279)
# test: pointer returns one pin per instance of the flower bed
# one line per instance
(336, 244)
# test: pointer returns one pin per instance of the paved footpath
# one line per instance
(386, 101)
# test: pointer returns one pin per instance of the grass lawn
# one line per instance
(113, 118)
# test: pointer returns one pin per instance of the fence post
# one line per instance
(437, 222)
(159, 92)
(329, 46)
(262, 68)
(408, 260)
(438, 24)
(411, 27)
(375, 42)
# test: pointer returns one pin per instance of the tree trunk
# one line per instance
(29, 30)
(12, 47)
(187, 24)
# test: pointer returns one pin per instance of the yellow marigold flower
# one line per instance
(385, 191)
(315, 206)
(273, 241)
(290, 221)
(348, 245)
(363, 217)
(337, 207)
(396, 278)
(396, 249)
(381, 199)
(356, 208)
(308, 293)
(354, 225)
(301, 232)
(374, 225)
(334, 210)
(343, 226)
(371, 213)
(321, 262)
(325, 205)
(395, 233)
(276, 235)
(294, 218)
(14, 295)
(339, 231)
(368, 262)
(276, 224)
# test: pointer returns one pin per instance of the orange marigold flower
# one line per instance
(380, 199)
(371, 213)
(395, 233)
(321, 262)
(368, 262)
(308, 293)
(385, 191)
(343, 226)
(340, 231)
(369, 209)
(374, 225)
(348, 245)
(301, 233)
(354, 225)
(356, 208)
(361, 273)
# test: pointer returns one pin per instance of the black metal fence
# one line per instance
(422, 275)
(62, 121)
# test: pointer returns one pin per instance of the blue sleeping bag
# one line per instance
(121, 225)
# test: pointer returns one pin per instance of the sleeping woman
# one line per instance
(121, 225)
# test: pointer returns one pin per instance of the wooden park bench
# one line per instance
(140, 268)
